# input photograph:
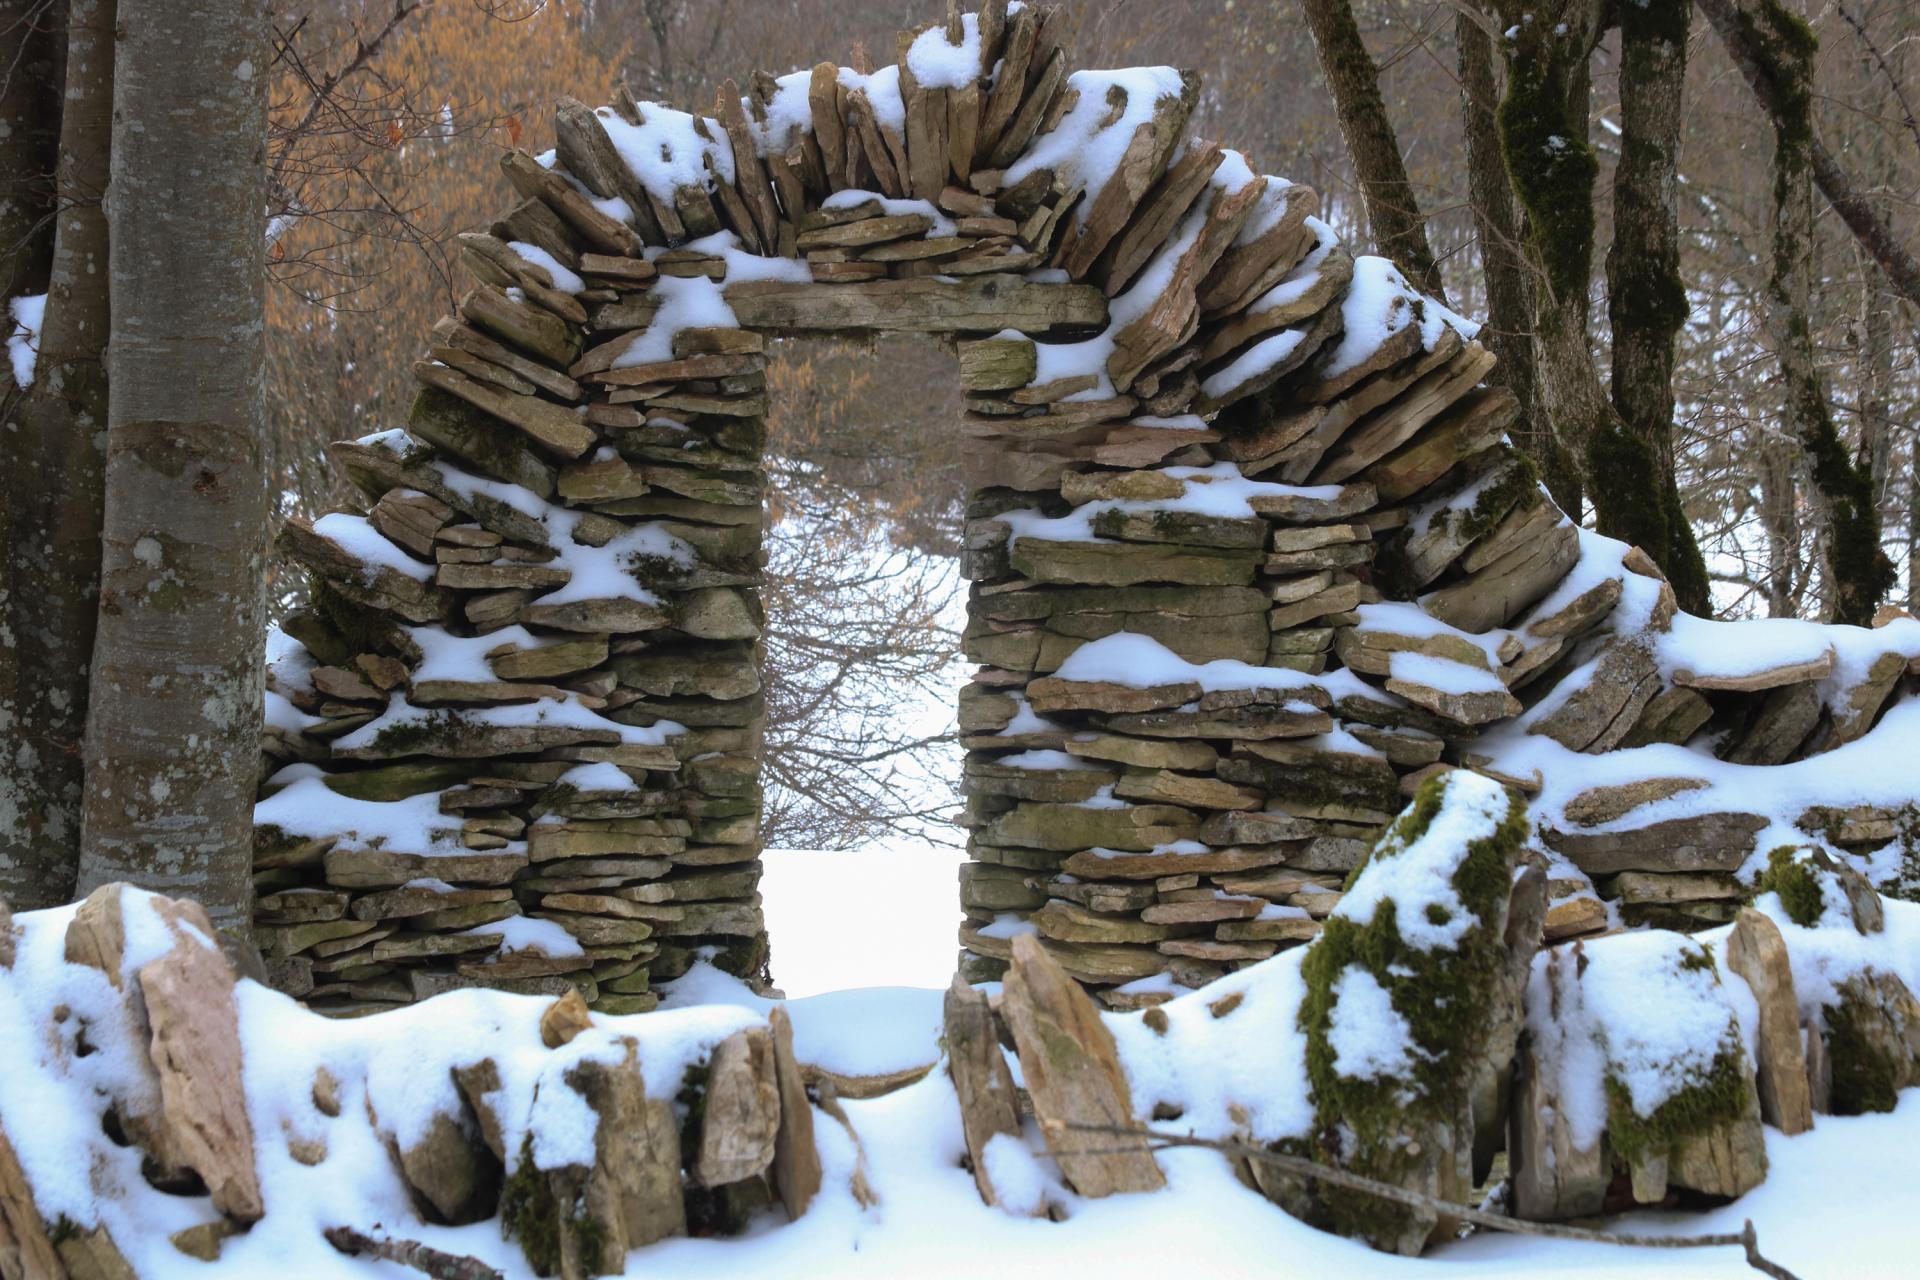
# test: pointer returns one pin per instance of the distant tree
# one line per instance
(172, 746)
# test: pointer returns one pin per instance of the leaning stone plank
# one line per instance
(796, 1159)
(1709, 842)
(1756, 952)
(740, 1123)
(1141, 165)
(989, 1104)
(984, 304)
(557, 430)
(375, 586)
(1753, 681)
(601, 231)
(1073, 1073)
(491, 444)
(585, 151)
(195, 1048)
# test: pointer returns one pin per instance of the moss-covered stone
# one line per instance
(1405, 1127)
(1792, 873)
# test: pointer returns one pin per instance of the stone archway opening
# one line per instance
(515, 738)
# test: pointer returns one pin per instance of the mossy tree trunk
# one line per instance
(1393, 211)
(1543, 119)
(1856, 569)
(1647, 305)
(172, 745)
(1778, 467)
(1509, 321)
(54, 430)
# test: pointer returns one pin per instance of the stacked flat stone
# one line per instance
(1251, 557)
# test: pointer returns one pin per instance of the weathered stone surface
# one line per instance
(1709, 842)
(1553, 1178)
(26, 1251)
(1872, 1042)
(741, 1118)
(1604, 804)
(1770, 678)
(989, 1104)
(1073, 1072)
(631, 1195)
(1757, 953)
(1136, 866)
(1069, 922)
(1064, 826)
(196, 1053)
(449, 1167)
(563, 1020)
(796, 1160)
(1597, 715)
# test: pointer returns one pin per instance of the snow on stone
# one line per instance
(306, 805)
(1442, 674)
(1086, 147)
(606, 572)
(601, 775)
(883, 95)
(524, 933)
(357, 536)
(1215, 490)
(1026, 720)
(938, 64)
(569, 713)
(1412, 880)
(1368, 1036)
(741, 267)
(445, 656)
(665, 151)
(1295, 284)
(29, 313)
(1141, 662)
(1400, 618)
(686, 302)
(563, 279)
(789, 114)
(1739, 648)
(1253, 362)
(1045, 760)
(892, 207)
(1267, 209)
(1379, 304)
(1640, 1009)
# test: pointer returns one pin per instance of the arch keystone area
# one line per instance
(1252, 556)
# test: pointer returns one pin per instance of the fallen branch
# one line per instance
(410, 1253)
(1299, 1167)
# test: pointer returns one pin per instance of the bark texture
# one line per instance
(56, 431)
(1393, 211)
(1647, 305)
(1857, 570)
(172, 737)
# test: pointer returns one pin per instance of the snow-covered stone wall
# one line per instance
(1252, 557)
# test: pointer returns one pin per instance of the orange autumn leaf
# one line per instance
(513, 129)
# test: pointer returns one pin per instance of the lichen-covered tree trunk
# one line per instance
(1780, 517)
(1876, 384)
(1647, 305)
(31, 53)
(1509, 292)
(1858, 572)
(172, 734)
(1393, 211)
(55, 430)
(1543, 120)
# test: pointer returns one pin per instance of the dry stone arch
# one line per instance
(1251, 556)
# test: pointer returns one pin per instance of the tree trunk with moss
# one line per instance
(1509, 319)
(1551, 166)
(172, 742)
(1857, 570)
(1393, 211)
(1647, 305)
(54, 430)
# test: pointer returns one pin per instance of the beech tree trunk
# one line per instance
(54, 431)
(1647, 306)
(1509, 323)
(1393, 211)
(1858, 571)
(173, 731)
(32, 49)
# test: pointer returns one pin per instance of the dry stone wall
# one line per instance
(1251, 557)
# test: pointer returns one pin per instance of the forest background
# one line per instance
(387, 118)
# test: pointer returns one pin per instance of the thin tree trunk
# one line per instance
(1779, 514)
(173, 734)
(1393, 211)
(1509, 323)
(1841, 494)
(55, 463)
(1762, 39)
(1876, 386)
(32, 48)
(1647, 305)
(1543, 120)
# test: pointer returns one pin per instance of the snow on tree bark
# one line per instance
(57, 429)
(172, 738)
